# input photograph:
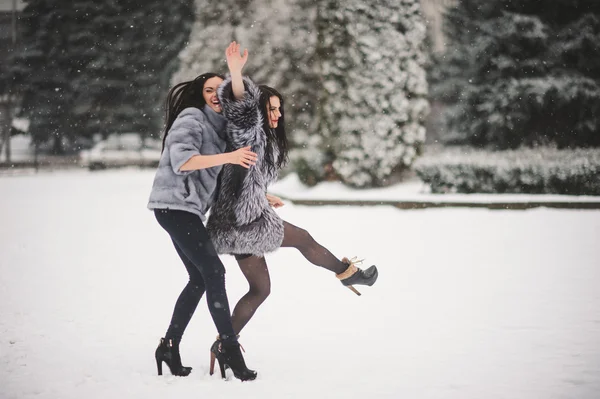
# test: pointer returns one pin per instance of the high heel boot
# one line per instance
(214, 352)
(355, 275)
(168, 352)
(228, 354)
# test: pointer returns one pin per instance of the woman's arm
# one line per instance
(236, 62)
(183, 147)
(240, 99)
(243, 157)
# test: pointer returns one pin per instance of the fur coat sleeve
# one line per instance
(184, 139)
(241, 221)
(244, 120)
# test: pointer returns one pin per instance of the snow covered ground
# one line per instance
(410, 191)
(471, 303)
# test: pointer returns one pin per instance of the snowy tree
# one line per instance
(43, 71)
(281, 39)
(372, 104)
(524, 72)
(216, 25)
(97, 67)
(123, 87)
(294, 46)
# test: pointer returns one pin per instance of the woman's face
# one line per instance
(274, 111)
(209, 92)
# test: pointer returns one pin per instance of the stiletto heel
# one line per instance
(211, 370)
(222, 368)
(168, 352)
(214, 350)
(159, 366)
(229, 355)
(354, 290)
(354, 275)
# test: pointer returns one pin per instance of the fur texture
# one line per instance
(194, 132)
(241, 220)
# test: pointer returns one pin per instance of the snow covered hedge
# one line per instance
(539, 171)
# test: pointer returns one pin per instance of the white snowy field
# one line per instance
(470, 303)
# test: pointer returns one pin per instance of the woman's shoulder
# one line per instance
(189, 117)
(192, 113)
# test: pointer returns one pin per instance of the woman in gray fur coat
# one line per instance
(182, 192)
(243, 221)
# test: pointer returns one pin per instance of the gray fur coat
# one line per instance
(194, 132)
(241, 220)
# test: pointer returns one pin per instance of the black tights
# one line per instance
(205, 269)
(256, 271)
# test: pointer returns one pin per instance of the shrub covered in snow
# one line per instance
(351, 74)
(281, 39)
(521, 72)
(372, 101)
(539, 171)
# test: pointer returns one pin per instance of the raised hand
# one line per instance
(235, 61)
(243, 157)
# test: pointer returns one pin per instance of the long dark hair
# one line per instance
(276, 135)
(184, 95)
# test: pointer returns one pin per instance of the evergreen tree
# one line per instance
(521, 73)
(300, 47)
(43, 71)
(216, 25)
(124, 87)
(281, 38)
(98, 67)
(302, 84)
(373, 102)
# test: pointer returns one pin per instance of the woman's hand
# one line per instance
(235, 61)
(243, 157)
(274, 201)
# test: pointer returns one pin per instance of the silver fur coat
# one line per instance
(241, 220)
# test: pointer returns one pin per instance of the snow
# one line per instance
(414, 190)
(471, 303)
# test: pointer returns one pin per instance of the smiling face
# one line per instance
(274, 111)
(209, 92)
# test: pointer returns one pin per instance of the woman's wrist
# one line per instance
(227, 157)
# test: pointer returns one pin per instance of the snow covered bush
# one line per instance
(372, 101)
(351, 74)
(281, 39)
(535, 171)
(521, 73)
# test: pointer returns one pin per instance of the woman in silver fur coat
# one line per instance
(243, 221)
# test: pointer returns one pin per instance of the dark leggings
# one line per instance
(256, 271)
(205, 269)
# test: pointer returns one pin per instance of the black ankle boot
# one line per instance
(228, 354)
(356, 276)
(168, 352)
